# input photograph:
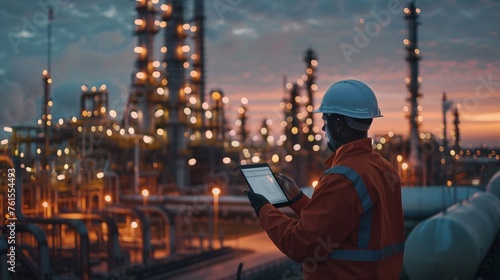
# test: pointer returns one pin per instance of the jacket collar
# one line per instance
(349, 149)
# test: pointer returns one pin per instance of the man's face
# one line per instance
(331, 129)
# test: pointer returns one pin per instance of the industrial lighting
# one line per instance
(314, 184)
(4, 142)
(45, 204)
(107, 198)
(145, 192)
(100, 175)
(138, 21)
(134, 224)
(112, 113)
(275, 158)
(235, 143)
(131, 130)
(61, 177)
(192, 161)
(159, 113)
(147, 139)
(288, 158)
(209, 134)
(226, 160)
(7, 129)
(216, 191)
(138, 49)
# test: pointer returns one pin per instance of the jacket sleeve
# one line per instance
(299, 204)
(326, 221)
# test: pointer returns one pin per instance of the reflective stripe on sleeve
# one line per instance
(368, 255)
(366, 202)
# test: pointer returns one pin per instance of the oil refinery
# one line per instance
(155, 192)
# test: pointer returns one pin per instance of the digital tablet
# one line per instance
(261, 180)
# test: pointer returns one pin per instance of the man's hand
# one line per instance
(290, 188)
(256, 200)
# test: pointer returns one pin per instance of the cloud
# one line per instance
(487, 118)
(245, 32)
(20, 108)
(111, 13)
(259, 41)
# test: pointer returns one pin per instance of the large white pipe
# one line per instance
(452, 245)
(423, 202)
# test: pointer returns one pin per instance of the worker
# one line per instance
(352, 227)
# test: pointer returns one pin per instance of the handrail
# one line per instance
(78, 226)
(113, 246)
(42, 246)
(4, 274)
(169, 218)
(145, 228)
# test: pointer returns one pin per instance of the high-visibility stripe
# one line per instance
(364, 224)
(366, 202)
(368, 255)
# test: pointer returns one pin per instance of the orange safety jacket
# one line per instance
(352, 227)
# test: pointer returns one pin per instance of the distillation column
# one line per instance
(175, 61)
(144, 81)
(198, 58)
(413, 84)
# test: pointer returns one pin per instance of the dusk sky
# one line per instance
(250, 45)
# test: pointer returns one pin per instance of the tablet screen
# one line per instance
(262, 181)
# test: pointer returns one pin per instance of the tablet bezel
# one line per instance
(257, 165)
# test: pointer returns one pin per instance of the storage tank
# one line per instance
(452, 245)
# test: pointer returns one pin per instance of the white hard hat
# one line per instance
(350, 98)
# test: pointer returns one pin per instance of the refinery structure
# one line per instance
(101, 191)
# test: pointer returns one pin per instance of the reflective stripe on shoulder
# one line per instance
(366, 202)
(368, 255)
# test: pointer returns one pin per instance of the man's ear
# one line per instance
(340, 124)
